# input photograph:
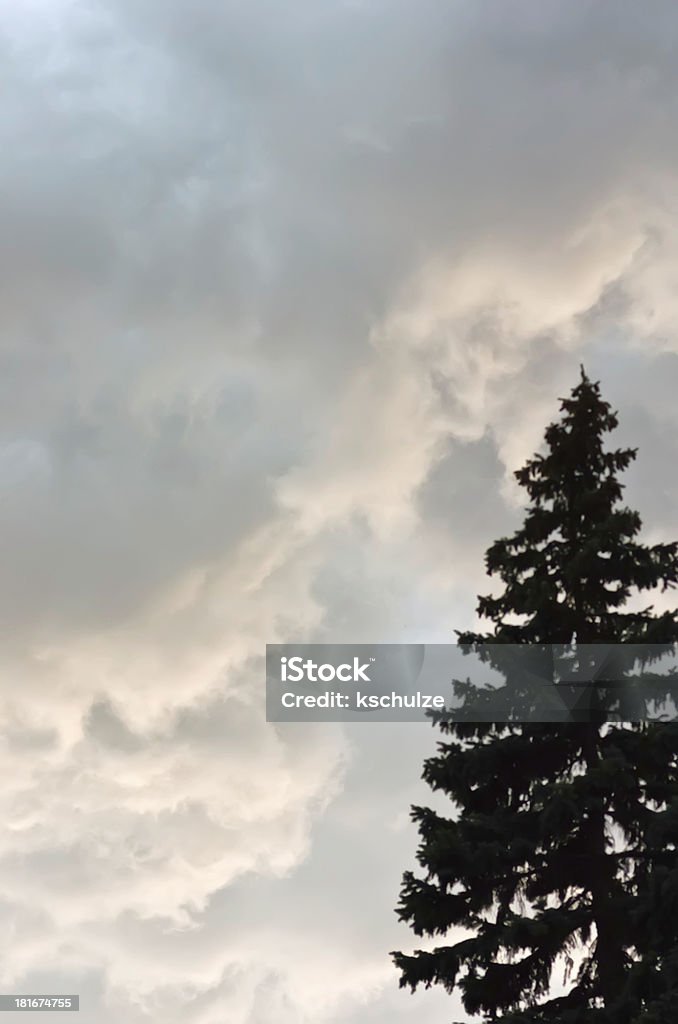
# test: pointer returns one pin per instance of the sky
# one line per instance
(287, 292)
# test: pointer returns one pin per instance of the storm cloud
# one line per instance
(287, 291)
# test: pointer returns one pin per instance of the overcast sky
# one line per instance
(288, 289)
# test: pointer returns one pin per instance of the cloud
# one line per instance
(287, 293)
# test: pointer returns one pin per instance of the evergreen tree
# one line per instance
(564, 836)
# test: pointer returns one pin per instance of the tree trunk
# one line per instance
(609, 952)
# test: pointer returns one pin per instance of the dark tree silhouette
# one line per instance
(561, 848)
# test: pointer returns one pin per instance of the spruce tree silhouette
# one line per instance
(564, 836)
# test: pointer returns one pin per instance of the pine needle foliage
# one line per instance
(560, 847)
